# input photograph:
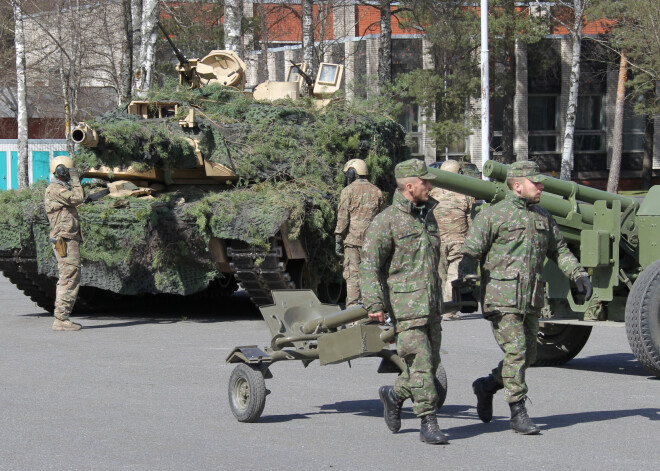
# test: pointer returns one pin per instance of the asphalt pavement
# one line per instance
(147, 390)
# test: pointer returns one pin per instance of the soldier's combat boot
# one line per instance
(392, 407)
(485, 388)
(520, 421)
(430, 432)
(65, 325)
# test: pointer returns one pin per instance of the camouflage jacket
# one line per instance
(512, 239)
(358, 204)
(452, 213)
(399, 267)
(61, 208)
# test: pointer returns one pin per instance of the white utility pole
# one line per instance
(485, 92)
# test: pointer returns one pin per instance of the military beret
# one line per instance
(527, 169)
(412, 168)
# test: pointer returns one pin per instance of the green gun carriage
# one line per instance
(616, 238)
(304, 329)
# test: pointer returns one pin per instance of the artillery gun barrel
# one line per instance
(85, 136)
(566, 189)
(494, 191)
(334, 320)
(491, 192)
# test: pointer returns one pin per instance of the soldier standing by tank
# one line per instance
(453, 216)
(399, 274)
(511, 240)
(63, 196)
(359, 202)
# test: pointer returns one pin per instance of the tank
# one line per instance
(200, 187)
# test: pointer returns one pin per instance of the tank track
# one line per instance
(258, 280)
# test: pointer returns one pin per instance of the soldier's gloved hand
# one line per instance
(75, 176)
(339, 245)
(583, 284)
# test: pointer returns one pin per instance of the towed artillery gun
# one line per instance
(304, 329)
(615, 238)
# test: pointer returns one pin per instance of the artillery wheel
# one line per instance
(643, 318)
(247, 392)
(441, 385)
(559, 343)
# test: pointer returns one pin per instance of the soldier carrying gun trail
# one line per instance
(399, 277)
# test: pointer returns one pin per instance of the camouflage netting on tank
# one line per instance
(258, 140)
(289, 156)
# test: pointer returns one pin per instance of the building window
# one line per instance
(589, 133)
(633, 129)
(410, 119)
(542, 123)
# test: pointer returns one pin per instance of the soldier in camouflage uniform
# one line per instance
(359, 202)
(453, 216)
(63, 196)
(399, 275)
(511, 240)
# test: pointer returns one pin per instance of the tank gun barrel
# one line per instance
(566, 189)
(85, 136)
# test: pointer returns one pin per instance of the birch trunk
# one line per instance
(308, 36)
(233, 20)
(21, 96)
(385, 45)
(574, 85)
(136, 22)
(149, 35)
(126, 65)
(262, 61)
(617, 140)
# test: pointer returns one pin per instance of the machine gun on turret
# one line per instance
(615, 238)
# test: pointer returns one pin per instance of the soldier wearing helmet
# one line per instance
(453, 216)
(63, 196)
(359, 202)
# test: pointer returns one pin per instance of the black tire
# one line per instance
(643, 318)
(559, 343)
(441, 385)
(247, 392)
(333, 292)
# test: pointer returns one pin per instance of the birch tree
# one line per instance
(385, 44)
(126, 64)
(308, 36)
(21, 93)
(144, 73)
(233, 21)
(570, 14)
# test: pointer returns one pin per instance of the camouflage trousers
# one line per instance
(352, 274)
(448, 267)
(69, 279)
(419, 348)
(516, 335)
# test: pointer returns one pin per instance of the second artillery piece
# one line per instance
(616, 239)
(304, 329)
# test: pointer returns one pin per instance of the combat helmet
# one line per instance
(60, 166)
(358, 165)
(451, 166)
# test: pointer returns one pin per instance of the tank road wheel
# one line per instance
(247, 392)
(643, 318)
(441, 385)
(559, 343)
